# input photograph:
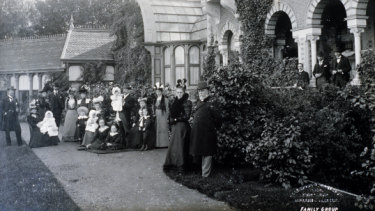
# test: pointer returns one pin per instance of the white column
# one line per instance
(17, 80)
(40, 81)
(31, 80)
(357, 49)
(313, 40)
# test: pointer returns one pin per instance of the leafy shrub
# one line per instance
(280, 153)
(367, 101)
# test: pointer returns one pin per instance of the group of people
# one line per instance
(119, 120)
(336, 72)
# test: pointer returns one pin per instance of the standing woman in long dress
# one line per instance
(161, 111)
(178, 150)
(70, 117)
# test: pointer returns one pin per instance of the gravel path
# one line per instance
(120, 181)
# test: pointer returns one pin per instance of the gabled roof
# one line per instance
(88, 44)
(31, 54)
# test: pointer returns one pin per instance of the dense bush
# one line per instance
(367, 101)
(290, 135)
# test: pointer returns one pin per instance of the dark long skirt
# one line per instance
(177, 154)
(43, 140)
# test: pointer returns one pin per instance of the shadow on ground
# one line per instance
(241, 189)
(26, 183)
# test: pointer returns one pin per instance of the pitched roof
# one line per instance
(31, 54)
(85, 44)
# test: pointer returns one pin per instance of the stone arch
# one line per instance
(316, 8)
(360, 7)
(274, 14)
(228, 26)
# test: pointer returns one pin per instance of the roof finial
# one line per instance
(71, 25)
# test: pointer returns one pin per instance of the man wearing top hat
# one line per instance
(203, 138)
(340, 69)
(9, 116)
(56, 104)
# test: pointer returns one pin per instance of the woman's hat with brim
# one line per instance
(83, 89)
(82, 109)
(202, 85)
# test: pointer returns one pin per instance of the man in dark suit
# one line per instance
(128, 110)
(203, 138)
(321, 72)
(9, 116)
(340, 70)
(303, 79)
(57, 104)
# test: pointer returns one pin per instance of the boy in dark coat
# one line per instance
(9, 116)
(203, 139)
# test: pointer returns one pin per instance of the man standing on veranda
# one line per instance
(206, 121)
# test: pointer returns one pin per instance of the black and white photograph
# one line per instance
(184, 105)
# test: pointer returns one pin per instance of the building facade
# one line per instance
(178, 31)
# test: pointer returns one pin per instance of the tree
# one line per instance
(16, 18)
(133, 61)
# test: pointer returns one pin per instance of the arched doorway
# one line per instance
(335, 34)
(284, 45)
(368, 40)
(227, 46)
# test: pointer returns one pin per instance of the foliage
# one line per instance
(54, 16)
(291, 135)
(59, 78)
(133, 61)
(367, 75)
(280, 153)
(93, 72)
(209, 65)
(15, 17)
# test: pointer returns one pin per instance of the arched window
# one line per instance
(167, 65)
(194, 65)
(180, 62)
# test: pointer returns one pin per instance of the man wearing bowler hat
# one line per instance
(9, 116)
(206, 121)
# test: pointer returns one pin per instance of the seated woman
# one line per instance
(100, 136)
(33, 119)
(90, 129)
(49, 131)
(113, 140)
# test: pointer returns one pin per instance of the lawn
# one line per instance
(26, 183)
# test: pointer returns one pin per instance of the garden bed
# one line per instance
(241, 189)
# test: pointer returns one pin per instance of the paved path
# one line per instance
(121, 181)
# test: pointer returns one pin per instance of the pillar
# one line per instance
(17, 80)
(173, 66)
(357, 49)
(186, 48)
(313, 39)
(9, 80)
(40, 82)
(31, 77)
